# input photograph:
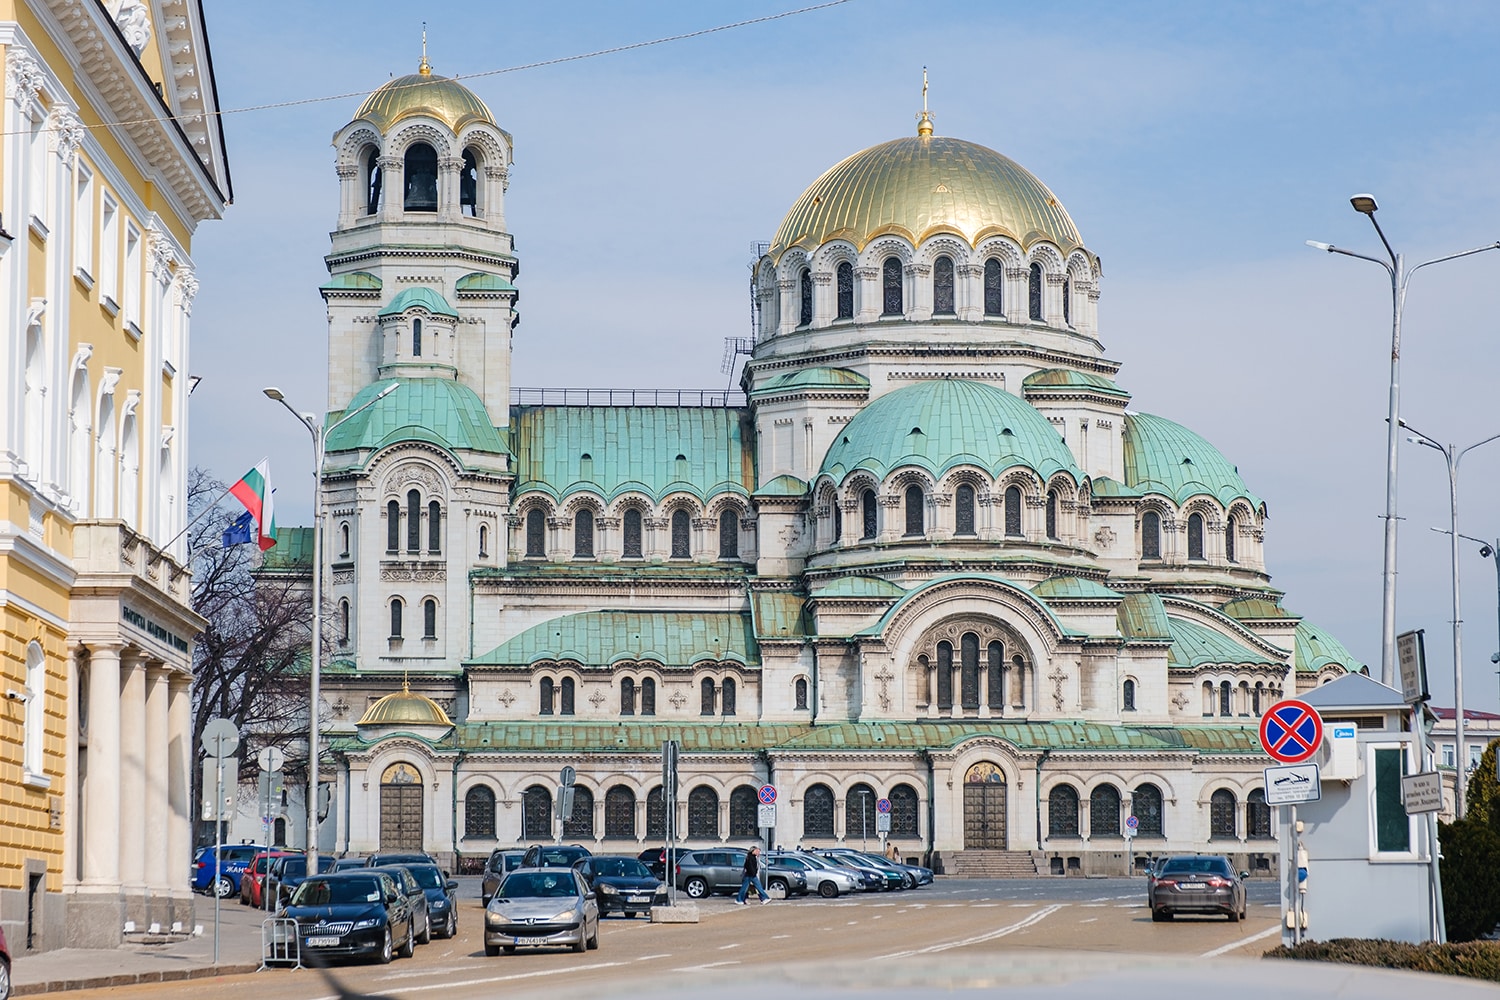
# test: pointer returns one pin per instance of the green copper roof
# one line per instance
(422, 298)
(860, 586)
(1316, 649)
(1142, 616)
(1103, 486)
(599, 638)
(1073, 587)
(811, 379)
(1194, 645)
(442, 411)
(1248, 609)
(610, 450)
(783, 486)
(478, 282)
(1167, 458)
(779, 615)
(939, 424)
(293, 550)
(1067, 378)
(354, 281)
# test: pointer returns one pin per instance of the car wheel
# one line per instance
(224, 887)
(1160, 916)
(409, 948)
(593, 942)
(629, 914)
(908, 881)
(426, 936)
(386, 951)
(696, 888)
(581, 945)
(828, 890)
(776, 883)
(451, 930)
(1234, 916)
(491, 950)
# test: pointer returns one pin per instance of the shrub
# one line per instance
(1470, 868)
(1471, 959)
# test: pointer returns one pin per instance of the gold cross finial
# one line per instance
(924, 120)
(424, 67)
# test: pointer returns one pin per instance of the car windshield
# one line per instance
(529, 885)
(560, 857)
(1197, 866)
(427, 876)
(292, 867)
(620, 868)
(329, 891)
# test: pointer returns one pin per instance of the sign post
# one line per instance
(564, 799)
(220, 740)
(270, 760)
(1291, 732)
(669, 752)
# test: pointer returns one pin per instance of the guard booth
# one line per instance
(1369, 864)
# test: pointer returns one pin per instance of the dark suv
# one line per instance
(500, 864)
(554, 855)
(655, 858)
(704, 872)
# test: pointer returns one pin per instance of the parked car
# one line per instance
(442, 901)
(823, 877)
(415, 896)
(501, 863)
(233, 860)
(541, 907)
(4, 968)
(703, 873)
(252, 879)
(344, 864)
(353, 914)
(553, 855)
(887, 877)
(622, 884)
(287, 872)
(1198, 883)
(655, 858)
(399, 858)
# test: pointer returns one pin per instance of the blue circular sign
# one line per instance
(767, 794)
(1291, 731)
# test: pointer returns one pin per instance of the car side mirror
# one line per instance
(392, 897)
(451, 885)
(446, 876)
(1244, 874)
(588, 895)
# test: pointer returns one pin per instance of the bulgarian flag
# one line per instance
(254, 491)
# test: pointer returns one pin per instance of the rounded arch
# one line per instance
(479, 812)
(536, 814)
(1062, 810)
(1007, 251)
(399, 142)
(619, 812)
(1046, 255)
(490, 150)
(356, 143)
(817, 811)
(876, 251)
(703, 812)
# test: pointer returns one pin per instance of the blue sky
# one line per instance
(1196, 146)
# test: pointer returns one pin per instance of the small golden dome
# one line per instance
(920, 185)
(424, 93)
(405, 708)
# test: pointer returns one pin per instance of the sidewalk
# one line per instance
(87, 968)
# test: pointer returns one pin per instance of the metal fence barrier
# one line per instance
(280, 944)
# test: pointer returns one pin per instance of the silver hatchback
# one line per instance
(541, 908)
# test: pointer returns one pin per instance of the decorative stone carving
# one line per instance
(1105, 537)
(1058, 678)
(133, 18)
(1180, 699)
(159, 248)
(506, 698)
(597, 698)
(678, 699)
(67, 131)
(24, 77)
(187, 288)
(343, 577)
(884, 677)
(413, 574)
(407, 476)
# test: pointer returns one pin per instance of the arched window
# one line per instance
(1052, 514)
(1231, 528)
(343, 619)
(838, 517)
(1013, 511)
(1226, 697)
(479, 813)
(1221, 810)
(1255, 699)
(468, 185)
(903, 811)
(396, 607)
(1018, 669)
(484, 540)
(434, 527)
(867, 511)
(703, 813)
(429, 619)
(682, 536)
(1127, 697)
(421, 178)
(627, 696)
(34, 726)
(1034, 292)
(631, 548)
(859, 812)
(547, 696)
(648, 696)
(817, 812)
(580, 825)
(744, 812)
(344, 539)
(799, 694)
(1195, 536)
(372, 186)
(1068, 301)
(729, 535)
(890, 288)
(994, 288)
(416, 338)
(914, 502)
(805, 291)
(1150, 535)
(942, 286)
(945, 675)
(844, 275)
(996, 685)
(1257, 816)
(536, 533)
(706, 696)
(619, 812)
(1104, 812)
(727, 697)
(656, 815)
(968, 670)
(413, 521)
(1145, 806)
(565, 699)
(963, 510)
(392, 527)
(583, 534)
(1062, 811)
(536, 814)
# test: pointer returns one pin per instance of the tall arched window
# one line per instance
(799, 694)
(468, 185)
(1231, 528)
(1226, 698)
(420, 176)
(479, 813)
(1150, 535)
(1013, 511)
(890, 288)
(656, 815)
(1145, 806)
(868, 518)
(844, 276)
(396, 618)
(805, 293)
(1062, 811)
(429, 619)
(1221, 810)
(392, 527)
(838, 517)
(536, 814)
(1257, 816)
(434, 527)
(703, 813)
(903, 811)
(1034, 292)
(996, 679)
(565, 696)
(546, 694)
(372, 184)
(580, 825)
(682, 535)
(1104, 812)
(968, 670)
(536, 533)
(817, 811)
(963, 510)
(945, 675)
(619, 812)
(632, 544)
(1068, 301)
(1052, 514)
(914, 503)
(706, 696)
(484, 540)
(648, 696)
(729, 535)
(413, 521)
(344, 539)
(627, 696)
(583, 534)
(1195, 536)
(744, 812)
(343, 619)
(994, 288)
(727, 697)
(1127, 697)
(416, 338)
(942, 286)
(859, 811)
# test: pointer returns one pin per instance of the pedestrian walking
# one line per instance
(751, 877)
(892, 851)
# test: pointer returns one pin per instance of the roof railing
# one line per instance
(626, 397)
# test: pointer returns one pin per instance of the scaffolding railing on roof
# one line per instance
(627, 397)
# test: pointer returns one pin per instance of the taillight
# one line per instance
(1166, 881)
(1218, 883)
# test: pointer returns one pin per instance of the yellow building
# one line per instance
(111, 154)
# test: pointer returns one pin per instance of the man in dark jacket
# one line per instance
(751, 877)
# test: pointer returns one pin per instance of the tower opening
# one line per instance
(421, 178)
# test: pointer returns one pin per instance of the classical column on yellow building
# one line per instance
(132, 820)
(157, 800)
(101, 787)
(179, 764)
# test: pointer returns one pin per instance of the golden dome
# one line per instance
(925, 184)
(423, 93)
(404, 708)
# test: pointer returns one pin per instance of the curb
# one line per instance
(133, 979)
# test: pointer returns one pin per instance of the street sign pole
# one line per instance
(669, 751)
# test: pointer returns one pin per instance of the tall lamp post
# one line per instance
(1400, 276)
(319, 437)
(1453, 456)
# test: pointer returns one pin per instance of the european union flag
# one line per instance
(241, 531)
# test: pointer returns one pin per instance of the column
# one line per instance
(392, 188)
(179, 762)
(157, 801)
(76, 695)
(101, 809)
(132, 820)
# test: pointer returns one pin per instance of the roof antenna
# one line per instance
(424, 67)
(924, 120)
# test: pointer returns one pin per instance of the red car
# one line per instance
(254, 879)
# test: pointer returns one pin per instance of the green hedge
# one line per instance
(1473, 959)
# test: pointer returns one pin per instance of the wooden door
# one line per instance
(984, 809)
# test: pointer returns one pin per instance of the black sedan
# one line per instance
(353, 915)
(622, 884)
(1197, 884)
(442, 905)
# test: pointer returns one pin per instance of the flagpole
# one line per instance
(197, 517)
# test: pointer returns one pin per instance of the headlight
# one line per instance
(494, 916)
(438, 905)
(364, 925)
(607, 890)
(567, 914)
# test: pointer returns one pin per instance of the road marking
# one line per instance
(1241, 943)
(647, 958)
(1094, 906)
(726, 947)
(1090, 920)
(778, 937)
(1000, 932)
(709, 965)
(498, 979)
(1018, 906)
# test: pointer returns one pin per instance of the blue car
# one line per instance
(233, 860)
(442, 902)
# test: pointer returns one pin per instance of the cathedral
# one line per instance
(929, 573)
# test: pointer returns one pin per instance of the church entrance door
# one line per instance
(401, 809)
(984, 808)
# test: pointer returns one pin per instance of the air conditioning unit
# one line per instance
(1339, 758)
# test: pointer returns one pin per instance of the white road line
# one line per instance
(1094, 906)
(1019, 906)
(1241, 943)
(1000, 932)
(498, 979)
(1090, 920)
(726, 947)
(647, 958)
(709, 965)
(774, 937)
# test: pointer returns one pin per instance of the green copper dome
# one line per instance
(442, 411)
(421, 297)
(1167, 458)
(940, 424)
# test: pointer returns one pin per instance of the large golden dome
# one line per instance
(424, 93)
(405, 708)
(921, 185)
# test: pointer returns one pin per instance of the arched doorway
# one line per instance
(401, 808)
(984, 807)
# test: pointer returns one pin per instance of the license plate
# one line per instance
(640, 899)
(1191, 885)
(322, 942)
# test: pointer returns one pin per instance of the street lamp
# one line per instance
(319, 436)
(1453, 456)
(1400, 276)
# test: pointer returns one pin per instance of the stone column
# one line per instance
(157, 802)
(392, 188)
(101, 810)
(132, 764)
(178, 778)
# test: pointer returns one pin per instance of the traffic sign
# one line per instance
(270, 758)
(567, 776)
(1422, 793)
(765, 815)
(882, 805)
(883, 822)
(1132, 823)
(221, 738)
(1291, 731)
(767, 794)
(1292, 784)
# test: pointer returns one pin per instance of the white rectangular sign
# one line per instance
(766, 815)
(1422, 793)
(1411, 653)
(1290, 784)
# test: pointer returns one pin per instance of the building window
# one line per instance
(648, 696)
(817, 812)
(413, 522)
(434, 527)
(396, 618)
(703, 813)
(799, 694)
(845, 278)
(580, 825)
(1034, 292)
(1257, 816)
(547, 696)
(632, 543)
(1255, 698)
(890, 287)
(656, 815)
(903, 811)
(996, 679)
(536, 814)
(868, 516)
(805, 291)
(945, 675)
(372, 182)
(429, 619)
(963, 510)
(1128, 697)
(109, 248)
(420, 176)
(727, 697)
(343, 619)
(133, 276)
(968, 670)
(1231, 528)
(859, 812)
(392, 527)
(479, 813)
(1052, 515)
(914, 501)
(583, 534)
(1226, 696)
(1062, 811)
(1013, 511)
(1221, 810)
(619, 812)
(627, 696)
(744, 812)
(994, 288)
(1104, 812)
(416, 338)
(1392, 827)
(344, 540)
(1150, 535)
(565, 699)
(484, 540)
(1068, 301)
(468, 186)
(83, 221)
(1195, 536)
(942, 286)
(536, 534)
(34, 735)
(838, 516)
(706, 697)
(1145, 806)
(682, 538)
(729, 535)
